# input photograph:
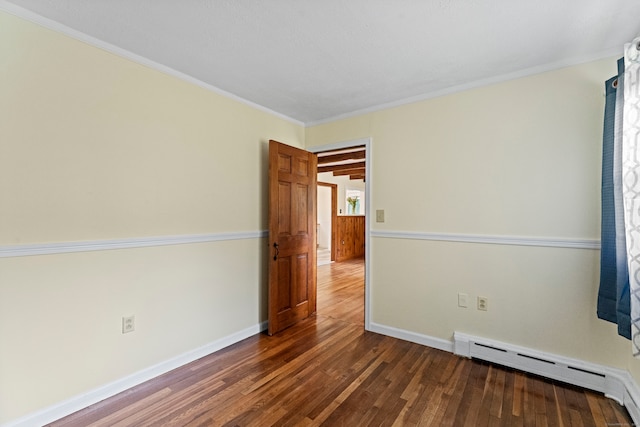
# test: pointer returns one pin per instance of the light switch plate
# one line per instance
(380, 215)
(463, 300)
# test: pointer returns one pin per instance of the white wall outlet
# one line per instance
(462, 300)
(380, 215)
(128, 324)
(483, 303)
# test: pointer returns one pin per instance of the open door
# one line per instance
(292, 235)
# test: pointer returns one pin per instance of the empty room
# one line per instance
(161, 226)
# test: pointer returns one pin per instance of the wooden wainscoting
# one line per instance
(350, 237)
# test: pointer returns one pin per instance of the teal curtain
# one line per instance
(614, 293)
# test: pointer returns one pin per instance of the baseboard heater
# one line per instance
(615, 384)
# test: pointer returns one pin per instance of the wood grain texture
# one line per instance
(327, 371)
(292, 231)
(358, 154)
(350, 232)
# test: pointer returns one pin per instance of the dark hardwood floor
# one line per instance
(328, 371)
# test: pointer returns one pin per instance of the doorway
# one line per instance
(357, 169)
(327, 220)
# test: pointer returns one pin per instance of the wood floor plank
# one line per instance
(498, 394)
(473, 393)
(506, 413)
(550, 407)
(328, 371)
(580, 405)
(411, 393)
(456, 392)
(562, 410)
(518, 394)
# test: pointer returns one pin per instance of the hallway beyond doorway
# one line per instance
(341, 291)
(323, 256)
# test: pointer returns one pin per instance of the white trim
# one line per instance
(414, 337)
(551, 242)
(631, 398)
(527, 72)
(140, 242)
(82, 401)
(367, 142)
(616, 384)
(108, 47)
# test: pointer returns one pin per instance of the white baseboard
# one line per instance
(402, 334)
(631, 396)
(616, 384)
(84, 400)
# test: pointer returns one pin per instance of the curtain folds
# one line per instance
(619, 293)
(614, 295)
(631, 180)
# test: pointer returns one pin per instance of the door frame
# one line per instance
(367, 212)
(334, 214)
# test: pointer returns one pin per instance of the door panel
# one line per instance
(284, 205)
(292, 215)
(301, 209)
(284, 279)
(302, 292)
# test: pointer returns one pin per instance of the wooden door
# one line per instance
(292, 235)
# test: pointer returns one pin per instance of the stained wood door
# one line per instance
(292, 235)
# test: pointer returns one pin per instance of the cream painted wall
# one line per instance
(519, 158)
(92, 147)
(61, 314)
(324, 217)
(113, 149)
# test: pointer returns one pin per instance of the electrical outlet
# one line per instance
(483, 303)
(462, 300)
(128, 324)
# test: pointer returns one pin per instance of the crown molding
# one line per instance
(527, 72)
(124, 53)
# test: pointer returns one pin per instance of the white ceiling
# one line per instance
(313, 60)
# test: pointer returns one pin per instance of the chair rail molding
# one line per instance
(550, 242)
(139, 242)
